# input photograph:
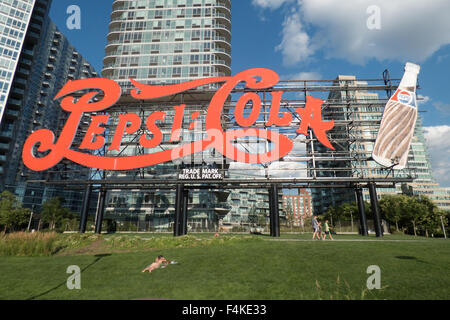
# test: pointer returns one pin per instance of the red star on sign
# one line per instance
(311, 116)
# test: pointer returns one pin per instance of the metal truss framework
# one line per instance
(309, 165)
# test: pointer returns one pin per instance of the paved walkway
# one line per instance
(346, 240)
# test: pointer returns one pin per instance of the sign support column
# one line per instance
(362, 212)
(178, 221)
(185, 212)
(274, 211)
(101, 209)
(270, 213)
(375, 209)
(85, 209)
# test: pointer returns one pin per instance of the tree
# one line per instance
(392, 207)
(262, 221)
(331, 214)
(289, 215)
(12, 215)
(414, 210)
(417, 213)
(20, 218)
(368, 210)
(446, 217)
(54, 213)
(252, 215)
(348, 211)
(430, 221)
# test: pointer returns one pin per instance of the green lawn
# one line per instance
(251, 268)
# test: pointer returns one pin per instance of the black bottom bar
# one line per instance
(85, 209)
(375, 209)
(101, 209)
(362, 212)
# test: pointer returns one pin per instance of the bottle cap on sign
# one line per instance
(412, 67)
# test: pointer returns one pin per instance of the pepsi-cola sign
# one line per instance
(57, 149)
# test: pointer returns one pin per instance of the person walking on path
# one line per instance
(327, 231)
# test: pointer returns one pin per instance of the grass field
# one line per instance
(235, 268)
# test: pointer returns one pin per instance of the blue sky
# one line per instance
(321, 39)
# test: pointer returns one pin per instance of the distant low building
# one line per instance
(299, 206)
(441, 196)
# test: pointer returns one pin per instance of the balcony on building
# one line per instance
(17, 93)
(6, 135)
(14, 104)
(33, 37)
(22, 72)
(37, 20)
(25, 63)
(11, 114)
(40, 9)
(4, 146)
(27, 53)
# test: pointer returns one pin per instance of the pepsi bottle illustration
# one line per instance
(398, 122)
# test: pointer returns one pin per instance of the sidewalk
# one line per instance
(347, 240)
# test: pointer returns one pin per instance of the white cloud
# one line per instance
(296, 45)
(444, 108)
(288, 169)
(303, 76)
(409, 30)
(277, 169)
(442, 58)
(438, 143)
(422, 100)
(270, 4)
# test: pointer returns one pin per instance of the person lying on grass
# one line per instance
(155, 265)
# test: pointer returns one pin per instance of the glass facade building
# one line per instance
(165, 42)
(14, 20)
(45, 63)
(168, 41)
